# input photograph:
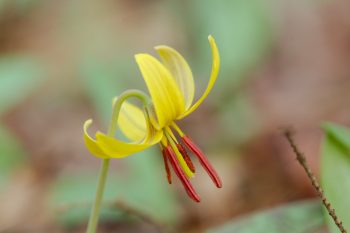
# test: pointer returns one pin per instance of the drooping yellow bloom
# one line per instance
(172, 89)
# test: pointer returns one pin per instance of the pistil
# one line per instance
(186, 157)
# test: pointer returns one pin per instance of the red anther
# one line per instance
(186, 157)
(203, 160)
(167, 169)
(180, 173)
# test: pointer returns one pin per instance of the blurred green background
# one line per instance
(283, 63)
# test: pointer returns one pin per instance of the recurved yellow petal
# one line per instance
(180, 70)
(115, 148)
(91, 144)
(166, 96)
(214, 74)
(132, 122)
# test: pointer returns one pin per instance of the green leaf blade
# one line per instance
(335, 172)
(300, 217)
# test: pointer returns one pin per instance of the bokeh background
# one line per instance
(284, 63)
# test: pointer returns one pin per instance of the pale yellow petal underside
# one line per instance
(115, 148)
(108, 147)
(167, 98)
(132, 122)
(213, 76)
(180, 71)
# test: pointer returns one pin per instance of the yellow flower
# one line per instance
(172, 89)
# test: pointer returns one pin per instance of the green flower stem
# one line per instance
(95, 212)
(117, 104)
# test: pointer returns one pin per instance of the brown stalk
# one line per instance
(302, 161)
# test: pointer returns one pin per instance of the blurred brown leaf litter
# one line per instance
(302, 80)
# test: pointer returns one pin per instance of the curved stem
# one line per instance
(117, 104)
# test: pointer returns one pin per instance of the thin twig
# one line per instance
(302, 160)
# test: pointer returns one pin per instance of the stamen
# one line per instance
(178, 130)
(171, 134)
(164, 142)
(179, 156)
(180, 173)
(203, 160)
(186, 157)
(167, 169)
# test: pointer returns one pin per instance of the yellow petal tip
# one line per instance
(91, 144)
(212, 79)
(114, 100)
(161, 47)
(211, 40)
(141, 56)
(87, 123)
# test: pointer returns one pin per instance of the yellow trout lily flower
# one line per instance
(172, 89)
